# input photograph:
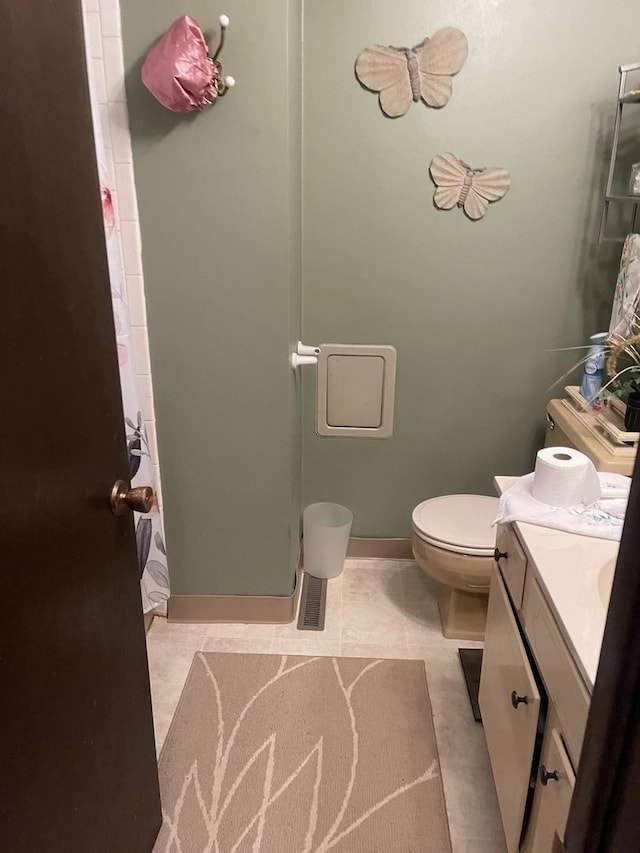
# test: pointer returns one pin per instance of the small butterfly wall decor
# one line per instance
(405, 75)
(471, 189)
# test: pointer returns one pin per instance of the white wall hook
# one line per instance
(224, 23)
(300, 360)
(303, 349)
(223, 83)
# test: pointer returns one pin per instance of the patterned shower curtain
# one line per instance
(152, 560)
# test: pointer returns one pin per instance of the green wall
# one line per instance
(219, 201)
(470, 306)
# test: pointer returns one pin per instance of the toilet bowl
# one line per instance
(453, 542)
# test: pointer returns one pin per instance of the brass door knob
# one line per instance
(139, 499)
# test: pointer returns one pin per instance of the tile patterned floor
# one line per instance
(376, 608)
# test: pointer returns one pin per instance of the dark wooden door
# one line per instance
(77, 755)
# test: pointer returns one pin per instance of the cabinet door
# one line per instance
(512, 561)
(553, 799)
(510, 705)
(564, 683)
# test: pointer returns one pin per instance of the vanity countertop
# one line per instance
(575, 574)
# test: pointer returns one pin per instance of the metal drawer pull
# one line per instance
(499, 555)
(518, 700)
(546, 775)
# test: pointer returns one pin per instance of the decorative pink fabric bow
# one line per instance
(178, 70)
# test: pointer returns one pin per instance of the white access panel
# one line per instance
(356, 390)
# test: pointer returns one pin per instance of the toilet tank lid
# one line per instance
(458, 520)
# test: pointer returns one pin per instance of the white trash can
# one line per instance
(325, 529)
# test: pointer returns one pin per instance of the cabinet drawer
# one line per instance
(553, 800)
(514, 564)
(509, 725)
(559, 673)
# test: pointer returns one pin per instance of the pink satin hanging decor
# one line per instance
(179, 71)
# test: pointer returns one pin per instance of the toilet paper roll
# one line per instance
(565, 477)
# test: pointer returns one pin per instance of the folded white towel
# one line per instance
(603, 519)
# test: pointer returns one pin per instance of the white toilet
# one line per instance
(453, 542)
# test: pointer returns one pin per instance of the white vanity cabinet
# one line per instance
(510, 704)
(533, 699)
(553, 792)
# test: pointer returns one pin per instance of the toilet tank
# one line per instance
(565, 429)
(555, 436)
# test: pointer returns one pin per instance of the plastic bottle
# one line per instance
(594, 370)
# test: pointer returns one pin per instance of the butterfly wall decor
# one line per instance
(471, 189)
(405, 75)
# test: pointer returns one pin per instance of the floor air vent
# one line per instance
(312, 604)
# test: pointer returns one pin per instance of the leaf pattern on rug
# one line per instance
(253, 757)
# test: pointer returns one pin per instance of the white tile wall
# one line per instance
(141, 350)
(103, 35)
(131, 248)
(93, 34)
(99, 80)
(135, 298)
(113, 68)
(109, 15)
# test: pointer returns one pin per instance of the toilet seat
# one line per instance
(461, 524)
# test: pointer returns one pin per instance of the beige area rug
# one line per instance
(288, 754)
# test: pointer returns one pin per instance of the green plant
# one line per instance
(622, 367)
